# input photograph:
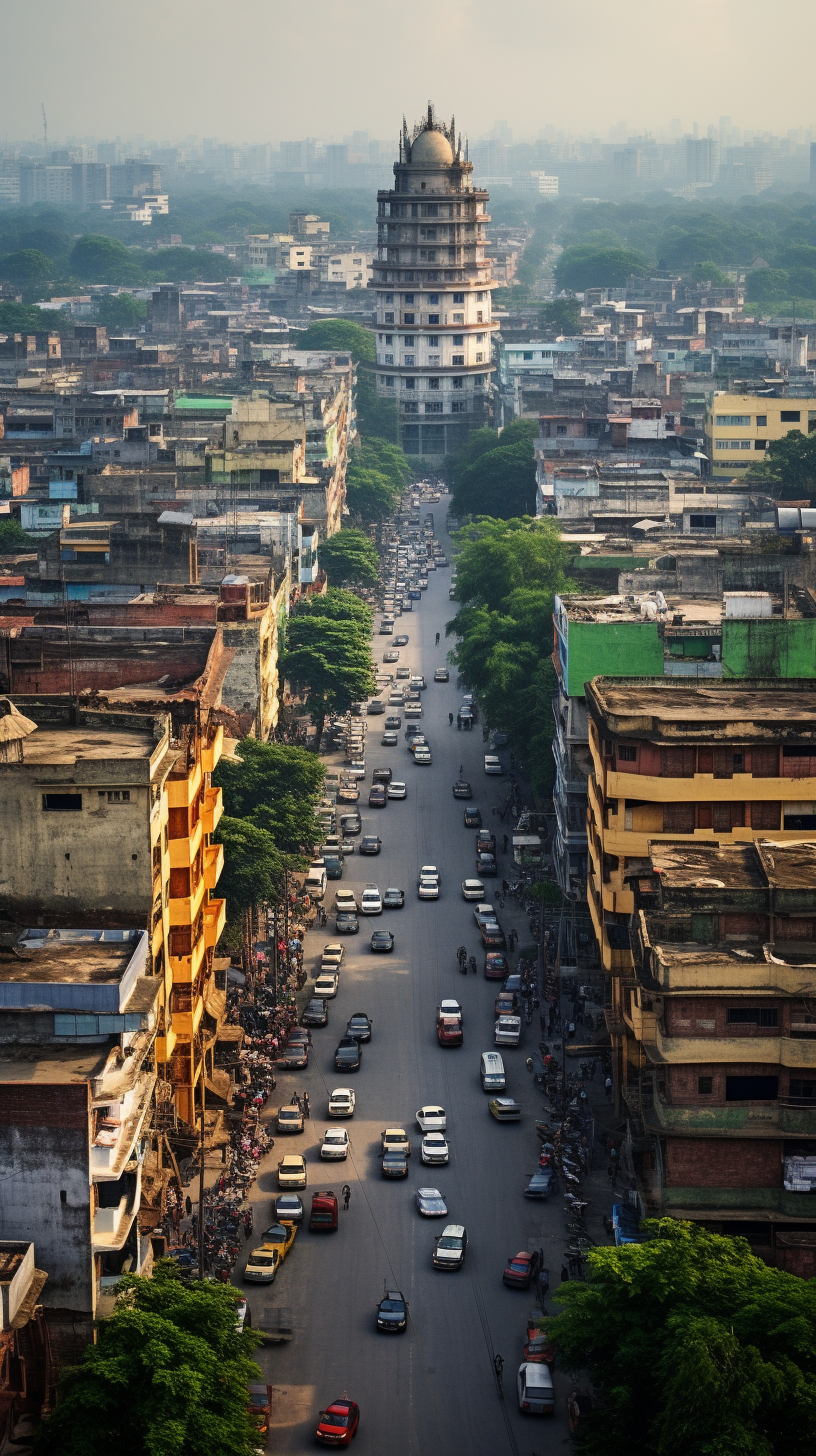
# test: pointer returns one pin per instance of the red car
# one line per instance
(338, 1423)
(538, 1347)
(522, 1268)
(449, 1031)
(496, 967)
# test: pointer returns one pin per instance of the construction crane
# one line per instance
(45, 123)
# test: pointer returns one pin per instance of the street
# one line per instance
(432, 1388)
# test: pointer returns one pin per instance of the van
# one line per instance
(507, 1031)
(491, 1071)
(315, 882)
(323, 1217)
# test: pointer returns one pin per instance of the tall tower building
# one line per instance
(433, 286)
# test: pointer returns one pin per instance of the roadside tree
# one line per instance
(349, 558)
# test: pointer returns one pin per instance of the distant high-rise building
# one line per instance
(433, 285)
(702, 159)
(813, 164)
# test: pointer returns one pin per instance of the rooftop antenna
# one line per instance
(45, 123)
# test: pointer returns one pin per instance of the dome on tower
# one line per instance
(432, 149)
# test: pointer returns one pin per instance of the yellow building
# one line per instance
(739, 427)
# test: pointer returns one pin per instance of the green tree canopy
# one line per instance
(340, 335)
(707, 272)
(788, 471)
(13, 538)
(28, 267)
(180, 265)
(562, 316)
(595, 265)
(253, 867)
(121, 311)
(328, 652)
(26, 318)
(376, 416)
(378, 472)
(99, 259)
(274, 786)
(168, 1376)
(349, 558)
(695, 1345)
(495, 476)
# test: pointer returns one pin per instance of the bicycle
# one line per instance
(498, 1370)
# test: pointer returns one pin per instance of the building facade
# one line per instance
(739, 427)
(433, 293)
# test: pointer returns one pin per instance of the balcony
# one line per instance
(183, 851)
(746, 1119)
(184, 909)
(212, 809)
(213, 864)
(182, 791)
(211, 754)
(113, 1218)
(215, 918)
(108, 1158)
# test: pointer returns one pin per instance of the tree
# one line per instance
(180, 265)
(26, 318)
(328, 652)
(695, 1345)
(253, 868)
(378, 472)
(13, 538)
(562, 316)
(495, 476)
(274, 786)
(593, 265)
(376, 416)
(28, 267)
(167, 1376)
(120, 312)
(98, 259)
(707, 273)
(788, 471)
(349, 558)
(340, 335)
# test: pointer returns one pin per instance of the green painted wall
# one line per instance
(769, 648)
(616, 649)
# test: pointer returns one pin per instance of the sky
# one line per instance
(265, 70)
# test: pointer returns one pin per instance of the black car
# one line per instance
(382, 940)
(360, 1025)
(377, 799)
(392, 1312)
(294, 1054)
(346, 923)
(394, 1165)
(316, 1013)
(401, 640)
(513, 983)
(542, 1183)
(348, 1054)
(473, 819)
(485, 842)
(493, 937)
(382, 775)
(370, 844)
(462, 789)
(486, 866)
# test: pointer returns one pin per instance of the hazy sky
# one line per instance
(260, 70)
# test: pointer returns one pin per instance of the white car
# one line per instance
(423, 756)
(396, 790)
(427, 872)
(492, 764)
(326, 985)
(342, 1102)
(345, 902)
(434, 1148)
(447, 1009)
(428, 888)
(432, 1118)
(472, 890)
(356, 769)
(371, 901)
(335, 1143)
(333, 955)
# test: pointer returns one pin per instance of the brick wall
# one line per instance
(724, 1163)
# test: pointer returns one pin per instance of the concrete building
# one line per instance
(26, 1364)
(79, 1012)
(718, 1057)
(739, 427)
(433, 293)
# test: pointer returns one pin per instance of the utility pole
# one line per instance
(201, 1176)
(45, 123)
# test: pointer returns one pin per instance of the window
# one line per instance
(409, 298)
(115, 796)
(480, 360)
(732, 420)
(458, 318)
(752, 1016)
(389, 381)
(760, 444)
(702, 523)
(433, 318)
(458, 298)
(705, 1085)
(389, 298)
(408, 319)
(732, 444)
(410, 407)
(761, 422)
(389, 318)
(528, 354)
(388, 359)
(478, 316)
(408, 361)
(799, 815)
(790, 417)
(410, 383)
(459, 407)
(389, 338)
(626, 752)
(433, 343)
(806, 1090)
(433, 409)
(433, 298)
(62, 803)
(458, 341)
(751, 1089)
(433, 383)
(432, 210)
(458, 359)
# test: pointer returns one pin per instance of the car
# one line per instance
(347, 924)
(403, 673)
(486, 866)
(346, 846)
(441, 675)
(377, 796)
(418, 681)
(351, 823)
(292, 1171)
(423, 757)
(300, 1034)
(288, 1208)
(356, 770)
(472, 890)
(316, 1013)
(522, 1268)
(338, 1423)
(485, 842)
(394, 1165)
(413, 710)
(507, 1031)
(430, 1203)
(417, 741)
(333, 865)
(294, 1055)
(449, 1031)
(506, 1003)
(541, 1184)
(449, 1007)
(382, 776)
(382, 941)
(513, 983)
(335, 1143)
(492, 764)
(493, 936)
(434, 1148)
(395, 1140)
(375, 707)
(370, 844)
(495, 965)
(429, 872)
(389, 739)
(289, 1119)
(428, 887)
(392, 1312)
(414, 594)
(390, 656)
(348, 794)
(473, 818)
(347, 1055)
(371, 901)
(280, 1237)
(386, 628)
(397, 790)
(393, 721)
(332, 956)
(342, 1102)
(360, 1026)
(450, 1247)
(504, 1109)
(462, 789)
(326, 985)
(261, 1266)
(539, 1348)
(535, 1389)
(394, 898)
(483, 913)
(401, 640)
(432, 1118)
(323, 1217)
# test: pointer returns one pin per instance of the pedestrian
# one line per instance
(437, 639)
(306, 1104)
(450, 720)
(608, 1089)
(571, 1030)
(612, 1174)
(346, 1191)
(188, 1204)
(461, 769)
(504, 844)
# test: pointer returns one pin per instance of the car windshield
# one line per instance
(450, 1243)
(519, 1264)
(262, 1261)
(392, 1306)
(289, 1115)
(336, 1418)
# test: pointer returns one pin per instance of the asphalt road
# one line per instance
(431, 1389)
